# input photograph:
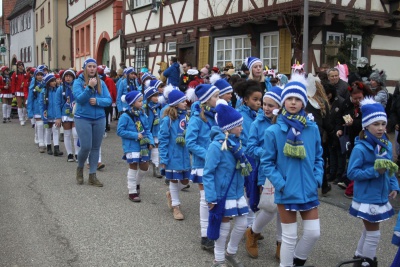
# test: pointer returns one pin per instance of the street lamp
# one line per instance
(48, 42)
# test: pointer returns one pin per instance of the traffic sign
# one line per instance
(3, 49)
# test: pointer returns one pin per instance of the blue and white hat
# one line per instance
(175, 97)
(202, 92)
(250, 61)
(155, 83)
(69, 72)
(371, 112)
(163, 99)
(131, 97)
(227, 117)
(145, 76)
(274, 93)
(296, 87)
(49, 77)
(87, 61)
(38, 71)
(150, 91)
(222, 84)
(129, 70)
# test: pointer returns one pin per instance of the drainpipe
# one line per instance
(56, 35)
(305, 36)
(71, 47)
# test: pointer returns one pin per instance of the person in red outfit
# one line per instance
(112, 88)
(19, 87)
(5, 93)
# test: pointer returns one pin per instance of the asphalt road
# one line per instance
(46, 219)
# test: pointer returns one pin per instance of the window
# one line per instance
(77, 43)
(337, 38)
(49, 14)
(82, 40)
(28, 21)
(140, 3)
(25, 55)
(270, 50)
(171, 47)
(42, 17)
(140, 58)
(37, 22)
(231, 49)
(22, 22)
(16, 25)
(29, 54)
(87, 39)
(21, 55)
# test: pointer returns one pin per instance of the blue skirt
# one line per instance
(371, 212)
(177, 175)
(235, 207)
(135, 157)
(196, 176)
(302, 207)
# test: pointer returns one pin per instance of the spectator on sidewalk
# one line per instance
(184, 78)
(173, 72)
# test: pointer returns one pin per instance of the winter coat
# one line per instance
(5, 80)
(369, 186)
(154, 129)
(173, 74)
(248, 117)
(128, 132)
(48, 97)
(33, 98)
(123, 89)
(347, 108)
(198, 136)
(111, 88)
(333, 115)
(19, 83)
(83, 93)
(296, 181)
(341, 89)
(65, 99)
(219, 169)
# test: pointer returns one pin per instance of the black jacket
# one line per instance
(347, 108)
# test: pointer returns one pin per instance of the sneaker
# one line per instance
(100, 166)
(251, 243)
(325, 191)
(219, 264)
(9, 119)
(70, 158)
(206, 243)
(76, 158)
(42, 149)
(4, 120)
(166, 181)
(348, 196)
(22, 123)
(232, 260)
(177, 213)
(342, 185)
(134, 197)
(169, 200)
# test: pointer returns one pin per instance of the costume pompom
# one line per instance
(367, 100)
(147, 83)
(191, 96)
(296, 77)
(221, 102)
(168, 89)
(215, 77)
(311, 87)
(123, 98)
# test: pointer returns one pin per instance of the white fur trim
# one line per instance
(190, 94)
(215, 77)
(221, 102)
(123, 98)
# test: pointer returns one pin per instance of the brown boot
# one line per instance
(79, 175)
(93, 180)
(177, 213)
(278, 250)
(251, 243)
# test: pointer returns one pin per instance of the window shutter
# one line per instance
(204, 48)
(285, 51)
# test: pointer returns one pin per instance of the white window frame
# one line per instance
(141, 3)
(340, 36)
(266, 59)
(141, 57)
(171, 47)
(217, 62)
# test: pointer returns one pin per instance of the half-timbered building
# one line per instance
(221, 31)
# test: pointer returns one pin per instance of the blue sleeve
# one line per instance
(163, 140)
(319, 162)
(120, 89)
(356, 170)
(59, 102)
(192, 134)
(41, 108)
(167, 72)
(254, 148)
(268, 163)
(147, 129)
(103, 100)
(210, 167)
(122, 128)
(30, 102)
(81, 95)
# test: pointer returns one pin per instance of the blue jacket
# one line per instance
(198, 136)
(53, 111)
(150, 119)
(173, 155)
(219, 169)
(248, 117)
(65, 99)
(129, 134)
(296, 181)
(122, 89)
(173, 74)
(255, 143)
(82, 96)
(33, 98)
(369, 186)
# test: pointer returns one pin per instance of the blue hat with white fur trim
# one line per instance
(205, 91)
(129, 70)
(87, 61)
(275, 94)
(250, 61)
(150, 91)
(227, 117)
(38, 71)
(155, 83)
(145, 76)
(49, 77)
(372, 111)
(131, 97)
(222, 84)
(175, 97)
(296, 87)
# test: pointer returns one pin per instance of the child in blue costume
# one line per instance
(51, 113)
(396, 241)
(153, 109)
(255, 149)
(250, 93)
(204, 99)
(65, 100)
(373, 172)
(294, 165)
(137, 140)
(127, 85)
(225, 89)
(35, 88)
(223, 175)
(174, 155)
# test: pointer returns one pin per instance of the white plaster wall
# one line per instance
(75, 9)
(104, 22)
(23, 39)
(129, 28)
(385, 42)
(188, 13)
(390, 65)
(317, 54)
(167, 17)
(377, 6)
(154, 20)
(318, 38)
(203, 11)
(361, 4)
(115, 50)
(141, 20)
